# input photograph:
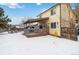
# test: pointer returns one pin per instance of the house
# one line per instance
(58, 20)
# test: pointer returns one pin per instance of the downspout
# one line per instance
(60, 20)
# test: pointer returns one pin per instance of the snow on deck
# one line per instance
(17, 43)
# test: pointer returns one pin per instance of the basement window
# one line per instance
(53, 25)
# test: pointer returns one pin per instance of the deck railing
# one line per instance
(35, 30)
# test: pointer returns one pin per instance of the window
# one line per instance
(53, 12)
(53, 25)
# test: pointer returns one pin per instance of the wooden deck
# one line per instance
(35, 34)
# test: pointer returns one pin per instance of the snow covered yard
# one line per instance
(19, 44)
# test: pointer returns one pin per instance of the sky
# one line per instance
(18, 11)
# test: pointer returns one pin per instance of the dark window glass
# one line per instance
(40, 26)
(53, 12)
(51, 25)
(55, 25)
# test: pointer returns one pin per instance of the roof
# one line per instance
(49, 8)
(36, 20)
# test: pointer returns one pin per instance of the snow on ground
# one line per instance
(17, 43)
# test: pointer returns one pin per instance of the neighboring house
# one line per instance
(15, 28)
(19, 27)
(58, 20)
(2, 30)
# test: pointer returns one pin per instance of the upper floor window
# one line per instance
(53, 12)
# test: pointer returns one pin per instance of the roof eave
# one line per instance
(48, 9)
(36, 20)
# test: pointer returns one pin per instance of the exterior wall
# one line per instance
(53, 18)
(67, 16)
